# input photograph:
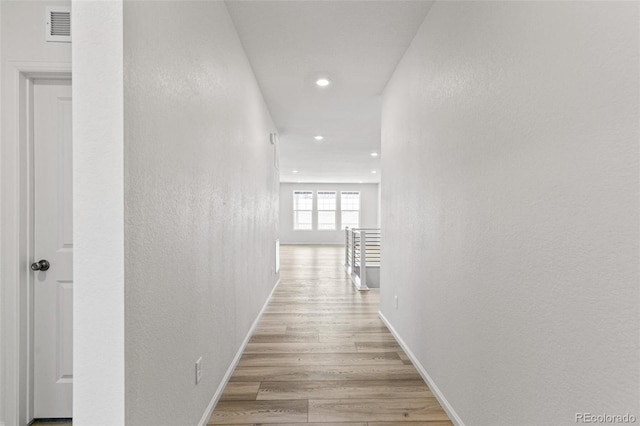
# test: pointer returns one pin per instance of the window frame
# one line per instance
(335, 210)
(342, 227)
(293, 205)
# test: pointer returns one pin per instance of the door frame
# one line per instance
(16, 231)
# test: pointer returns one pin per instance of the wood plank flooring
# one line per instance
(321, 356)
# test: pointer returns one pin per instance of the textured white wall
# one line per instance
(98, 222)
(22, 42)
(510, 208)
(201, 195)
(2, 284)
(368, 211)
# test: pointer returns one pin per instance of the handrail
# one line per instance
(362, 250)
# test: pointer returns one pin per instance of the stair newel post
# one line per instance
(363, 259)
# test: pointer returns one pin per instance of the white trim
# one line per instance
(15, 202)
(216, 396)
(453, 416)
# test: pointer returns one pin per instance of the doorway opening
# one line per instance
(19, 199)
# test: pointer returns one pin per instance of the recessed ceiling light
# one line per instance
(323, 82)
(374, 172)
(294, 171)
(374, 154)
(318, 138)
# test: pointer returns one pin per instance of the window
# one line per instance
(327, 210)
(350, 206)
(302, 210)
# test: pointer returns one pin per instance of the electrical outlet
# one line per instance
(198, 370)
(396, 298)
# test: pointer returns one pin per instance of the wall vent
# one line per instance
(59, 24)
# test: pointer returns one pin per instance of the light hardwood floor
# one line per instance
(320, 355)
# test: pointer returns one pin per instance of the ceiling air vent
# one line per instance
(59, 24)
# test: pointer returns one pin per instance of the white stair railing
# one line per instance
(362, 252)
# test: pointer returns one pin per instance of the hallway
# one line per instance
(320, 354)
(494, 143)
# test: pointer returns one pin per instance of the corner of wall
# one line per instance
(236, 359)
(98, 316)
(446, 405)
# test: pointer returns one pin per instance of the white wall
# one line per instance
(201, 194)
(22, 45)
(368, 212)
(2, 282)
(510, 208)
(99, 280)
(379, 205)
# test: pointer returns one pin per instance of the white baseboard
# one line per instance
(216, 396)
(355, 280)
(314, 243)
(357, 284)
(453, 416)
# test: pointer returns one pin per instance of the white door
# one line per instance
(53, 232)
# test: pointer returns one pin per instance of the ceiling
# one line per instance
(354, 44)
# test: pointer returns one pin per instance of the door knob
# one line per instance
(42, 265)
